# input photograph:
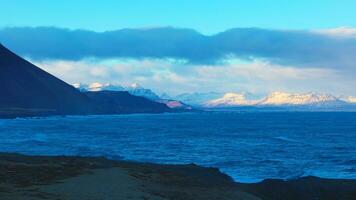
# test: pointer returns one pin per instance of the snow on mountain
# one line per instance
(81, 87)
(135, 86)
(107, 86)
(95, 87)
(198, 99)
(231, 99)
(349, 99)
(137, 90)
(134, 89)
(283, 98)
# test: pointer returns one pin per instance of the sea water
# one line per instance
(248, 146)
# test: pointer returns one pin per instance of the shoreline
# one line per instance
(65, 177)
(9, 116)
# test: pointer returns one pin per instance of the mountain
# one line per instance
(28, 91)
(138, 90)
(198, 99)
(114, 102)
(231, 99)
(165, 96)
(349, 99)
(174, 104)
(95, 87)
(283, 98)
(135, 90)
(275, 99)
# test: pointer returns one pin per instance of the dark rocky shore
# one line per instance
(40, 177)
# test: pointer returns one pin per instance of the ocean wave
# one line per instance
(349, 162)
(240, 147)
(287, 139)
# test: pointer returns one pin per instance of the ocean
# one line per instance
(248, 146)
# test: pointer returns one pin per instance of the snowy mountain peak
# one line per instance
(351, 99)
(80, 86)
(140, 91)
(284, 98)
(273, 99)
(136, 86)
(198, 99)
(230, 99)
(95, 87)
(134, 89)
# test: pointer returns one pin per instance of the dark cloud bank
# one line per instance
(299, 48)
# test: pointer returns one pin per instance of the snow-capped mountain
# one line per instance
(274, 99)
(95, 87)
(231, 99)
(198, 99)
(349, 99)
(80, 86)
(137, 90)
(283, 98)
(134, 89)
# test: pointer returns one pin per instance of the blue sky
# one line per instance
(205, 16)
(294, 46)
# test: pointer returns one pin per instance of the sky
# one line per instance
(179, 46)
(208, 17)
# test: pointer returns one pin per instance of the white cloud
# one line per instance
(348, 32)
(172, 77)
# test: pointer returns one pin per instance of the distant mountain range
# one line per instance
(275, 99)
(135, 90)
(29, 91)
(283, 98)
(232, 100)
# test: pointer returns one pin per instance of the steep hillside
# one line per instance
(28, 90)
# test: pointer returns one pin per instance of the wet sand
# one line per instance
(77, 178)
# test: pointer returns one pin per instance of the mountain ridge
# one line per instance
(25, 86)
(30, 91)
(134, 89)
(283, 99)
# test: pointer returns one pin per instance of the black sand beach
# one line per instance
(40, 177)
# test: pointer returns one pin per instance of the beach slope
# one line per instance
(67, 178)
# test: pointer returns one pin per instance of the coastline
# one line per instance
(62, 177)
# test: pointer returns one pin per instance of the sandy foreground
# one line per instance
(77, 178)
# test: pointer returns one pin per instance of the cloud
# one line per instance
(182, 60)
(347, 32)
(298, 48)
(256, 76)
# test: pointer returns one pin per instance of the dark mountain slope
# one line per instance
(26, 88)
(113, 102)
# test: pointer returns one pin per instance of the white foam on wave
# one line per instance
(287, 139)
